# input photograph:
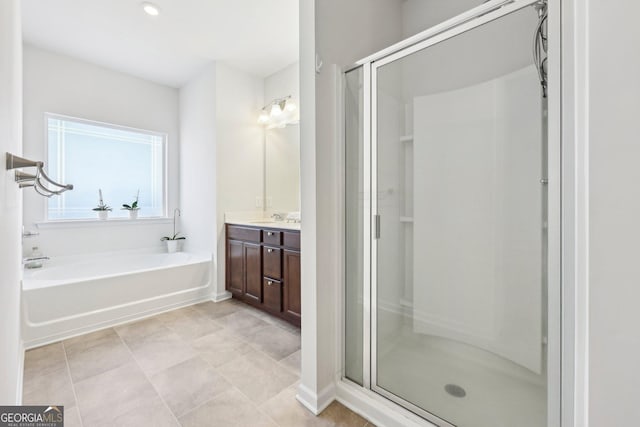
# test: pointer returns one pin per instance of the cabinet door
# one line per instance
(253, 273)
(292, 285)
(235, 267)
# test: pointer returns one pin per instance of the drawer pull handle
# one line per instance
(269, 233)
(269, 250)
(269, 282)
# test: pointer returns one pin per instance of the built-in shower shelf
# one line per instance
(406, 138)
(407, 219)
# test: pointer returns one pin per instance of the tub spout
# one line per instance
(38, 258)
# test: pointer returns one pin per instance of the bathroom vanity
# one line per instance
(263, 267)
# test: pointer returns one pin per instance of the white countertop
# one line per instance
(266, 223)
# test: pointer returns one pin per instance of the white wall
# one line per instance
(239, 97)
(197, 163)
(418, 15)
(282, 83)
(340, 32)
(614, 209)
(10, 203)
(60, 84)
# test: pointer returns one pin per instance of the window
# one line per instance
(96, 156)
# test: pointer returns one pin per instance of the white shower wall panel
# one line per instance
(477, 216)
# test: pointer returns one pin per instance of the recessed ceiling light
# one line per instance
(151, 9)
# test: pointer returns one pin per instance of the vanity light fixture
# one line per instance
(279, 113)
(150, 9)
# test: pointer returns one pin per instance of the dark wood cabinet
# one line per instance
(253, 273)
(263, 269)
(235, 267)
(291, 291)
(244, 270)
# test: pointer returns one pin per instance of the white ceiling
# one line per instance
(258, 36)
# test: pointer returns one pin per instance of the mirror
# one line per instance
(282, 168)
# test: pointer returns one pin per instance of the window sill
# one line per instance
(85, 223)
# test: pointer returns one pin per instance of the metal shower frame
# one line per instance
(476, 17)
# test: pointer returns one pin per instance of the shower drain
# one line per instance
(455, 390)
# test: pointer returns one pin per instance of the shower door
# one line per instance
(458, 287)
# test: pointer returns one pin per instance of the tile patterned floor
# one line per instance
(223, 364)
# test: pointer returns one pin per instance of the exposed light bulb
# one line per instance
(151, 9)
(263, 118)
(276, 110)
(290, 106)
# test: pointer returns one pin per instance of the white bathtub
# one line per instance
(74, 295)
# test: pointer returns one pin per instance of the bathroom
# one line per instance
(387, 212)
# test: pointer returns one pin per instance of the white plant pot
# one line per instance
(103, 215)
(173, 246)
(133, 214)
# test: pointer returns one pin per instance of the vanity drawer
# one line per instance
(272, 237)
(272, 262)
(245, 234)
(272, 295)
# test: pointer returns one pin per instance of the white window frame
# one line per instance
(165, 171)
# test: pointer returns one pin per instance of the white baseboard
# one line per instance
(375, 408)
(222, 296)
(316, 402)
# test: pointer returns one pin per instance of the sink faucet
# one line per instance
(277, 216)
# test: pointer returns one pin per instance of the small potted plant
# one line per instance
(133, 207)
(173, 242)
(102, 209)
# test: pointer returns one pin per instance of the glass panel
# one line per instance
(460, 304)
(354, 236)
(123, 163)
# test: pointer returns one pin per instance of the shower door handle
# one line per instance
(377, 226)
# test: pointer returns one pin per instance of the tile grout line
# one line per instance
(240, 391)
(244, 340)
(147, 378)
(297, 373)
(277, 362)
(255, 406)
(241, 338)
(217, 372)
(73, 385)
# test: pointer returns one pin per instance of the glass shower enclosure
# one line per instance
(446, 289)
